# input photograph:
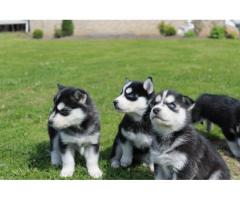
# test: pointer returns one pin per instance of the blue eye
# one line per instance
(131, 96)
(64, 112)
(171, 105)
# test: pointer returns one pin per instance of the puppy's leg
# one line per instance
(238, 141)
(216, 175)
(234, 147)
(91, 154)
(209, 126)
(127, 154)
(117, 153)
(55, 152)
(162, 172)
(54, 146)
(81, 151)
(232, 142)
(68, 163)
(147, 161)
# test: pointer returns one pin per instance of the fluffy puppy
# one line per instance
(178, 151)
(73, 125)
(133, 140)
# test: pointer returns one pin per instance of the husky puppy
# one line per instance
(223, 111)
(133, 139)
(73, 125)
(178, 151)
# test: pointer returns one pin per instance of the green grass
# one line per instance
(30, 70)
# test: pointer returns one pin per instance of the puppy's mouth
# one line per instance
(158, 118)
(118, 109)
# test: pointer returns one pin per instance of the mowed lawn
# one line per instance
(30, 70)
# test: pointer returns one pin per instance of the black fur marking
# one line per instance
(221, 110)
(137, 91)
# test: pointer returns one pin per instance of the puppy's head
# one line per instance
(170, 111)
(70, 108)
(134, 97)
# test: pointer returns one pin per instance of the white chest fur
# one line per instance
(140, 140)
(166, 155)
(79, 140)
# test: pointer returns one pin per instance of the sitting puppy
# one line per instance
(133, 139)
(223, 111)
(74, 126)
(178, 151)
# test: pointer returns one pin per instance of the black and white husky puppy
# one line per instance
(73, 125)
(223, 111)
(178, 151)
(133, 139)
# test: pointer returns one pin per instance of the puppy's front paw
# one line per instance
(67, 172)
(126, 161)
(95, 172)
(55, 159)
(115, 164)
(151, 167)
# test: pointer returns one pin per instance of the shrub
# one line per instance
(67, 27)
(190, 33)
(231, 32)
(161, 28)
(58, 33)
(232, 35)
(217, 32)
(167, 29)
(37, 34)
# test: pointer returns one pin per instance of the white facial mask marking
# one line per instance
(60, 106)
(129, 90)
(170, 99)
(158, 99)
(164, 95)
(125, 86)
(75, 118)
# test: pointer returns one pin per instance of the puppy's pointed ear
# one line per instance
(148, 85)
(189, 102)
(80, 97)
(60, 87)
(126, 80)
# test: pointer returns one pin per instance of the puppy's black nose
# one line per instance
(50, 123)
(156, 110)
(115, 102)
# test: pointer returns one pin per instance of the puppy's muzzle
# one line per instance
(115, 103)
(50, 123)
(156, 111)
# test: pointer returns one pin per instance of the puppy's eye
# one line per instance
(64, 111)
(171, 105)
(131, 96)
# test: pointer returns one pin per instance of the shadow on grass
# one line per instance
(40, 159)
(135, 172)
